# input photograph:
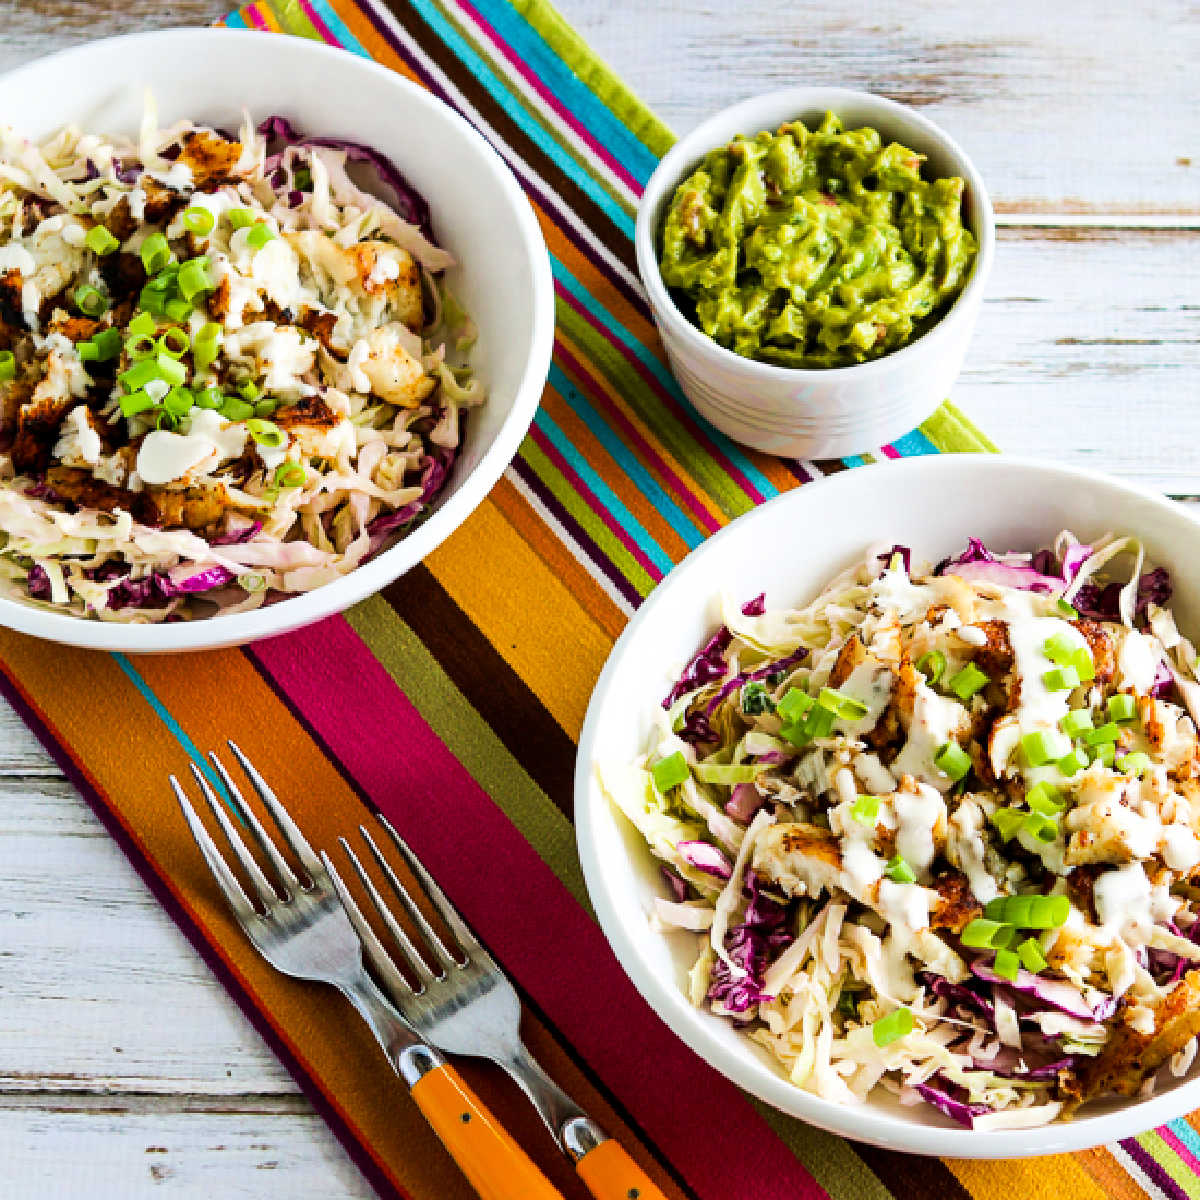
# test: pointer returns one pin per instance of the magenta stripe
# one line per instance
(528, 181)
(890, 452)
(569, 117)
(492, 873)
(1152, 1170)
(575, 531)
(1189, 1159)
(256, 18)
(589, 498)
(667, 476)
(669, 398)
(318, 24)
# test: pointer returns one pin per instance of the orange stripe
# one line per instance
(1109, 1175)
(371, 41)
(1058, 1178)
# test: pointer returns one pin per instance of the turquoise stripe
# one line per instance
(574, 94)
(625, 458)
(854, 460)
(914, 444)
(176, 729)
(235, 21)
(511, 105)
(620, 335)
(607, 497)
(337, 27)
(1186, 1134)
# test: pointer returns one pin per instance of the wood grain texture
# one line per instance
(124, 1069)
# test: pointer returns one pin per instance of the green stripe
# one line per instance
(950, 430)
(664, 427)
(600, 78)
(1170, 1162)
(470, 739)
(592, 525)
(502, 68)
(291, 18)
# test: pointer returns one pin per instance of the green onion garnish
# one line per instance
(865, 809)
(1085, 668)
(1068, 610)
(210, 397)
(978, 934)
(248, 390)
(174, 343)
(1029, 912)
(260, 235)
(266, 433)
(891, 1028)
(965, 683)
(841, 705)
(931, 664)
(1045, 799)
(1043, 746)
(107, 343)
(1072, 762)
(141, 345)
(1031, 955)
(8, 366)
(796, 735)
(153, 301)
(170, 369)
(1006, 964)
(819, 722)
(199, 221)
(100, 241)
(267, 406)
(194, 278)
(1135, 764)
(86, 351)
(233, 409)
(953, 760)
(898, 871)
(291, 474)
(1059, 649)
(166, 421)
(239, 218)
(1061, 679)
(135, 403)
(1122, 707)
(1108, 732)
(670, 772)
(1076, 721)
(156, 253)
(1040, 828)
(178, 309)
(178, 402)
(794, 704)
(1007, 822)
(139, 374)
(1104, 754)
(142, 324)
(90, 301)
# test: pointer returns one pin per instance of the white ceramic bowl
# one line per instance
(816, 413)
(480, 215)
(791, 547)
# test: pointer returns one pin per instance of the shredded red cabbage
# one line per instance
(410, 204)
(755, 607)
(978, 562)
(745, 802)
(731, 685)
(1104, 603)
(706, 666)
(38, 582)
(959, 994)
(905, 556)
(435, 472)
(706, 857)
(956, 1110)
(678, 886)
(1051, 992)
(237, 537)
(751, 945)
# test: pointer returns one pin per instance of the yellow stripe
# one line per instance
(1056, 1178)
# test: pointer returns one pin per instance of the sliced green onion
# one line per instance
(865, 809)
(170, 369)
(210, 397)
(8, 366)
(142, 324)
(1043, 746)
(1072, 762)
(178, 402)
(793, 705)
(178, 309)
(1007, 822)
(898, 871)
(1104, 754)
(100, 241)
(892, 1028)
(1076, 721)
(140, 346)
(965, 683)
(107, 343)
(1006, 964)
(194, 278)
(1045, 799)
(1048, 912)
(1122, 707)
(153, 301)
(1068, 610)
(164, 281)
(139, 374)
(1005, 937)
(1061, 679)
(199, 221)
(1135, 764)
(1059, 649)
(1031, 955)
(796, 735)
(978, 934)
(175, 343)
(156, 253)
(233, 409)
(207, 346)
(846, 707)
(135, 403)
(931, 664)
(166, 420)
(248, 390)
(1041, 828)
(953, 760)
(292, 474)
(260, 235)
(266, 407)
(268, 434)
(86, 351)
(670, 772)
(90, 301)
(1084, 665)
(239, 218)
(722, 773)
(819, 722)
(1108, 732)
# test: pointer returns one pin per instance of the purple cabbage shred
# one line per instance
(753, 944)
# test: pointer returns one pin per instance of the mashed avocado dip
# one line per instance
(815, 248)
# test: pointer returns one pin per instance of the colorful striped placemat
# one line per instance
(447, 701)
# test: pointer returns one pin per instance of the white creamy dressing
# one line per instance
(871, 684)
(1039, 708)
(1137, 661)
(227, 437)
(894, 592)
(1128, 905)
(917, 818)
(76, 438)
(966, 848)
(935, 721)
(14, 257)
(165, 457)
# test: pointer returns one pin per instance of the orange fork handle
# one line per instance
(497, 1168)
(610, 1174)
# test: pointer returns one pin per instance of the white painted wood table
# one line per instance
(124, 1069)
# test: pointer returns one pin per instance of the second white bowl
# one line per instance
(840, 410)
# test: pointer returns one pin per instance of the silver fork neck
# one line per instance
(410, 1057)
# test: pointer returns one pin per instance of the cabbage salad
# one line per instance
(227, 372)
(936, 832)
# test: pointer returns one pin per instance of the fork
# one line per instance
(301, 929)
(469, 1007)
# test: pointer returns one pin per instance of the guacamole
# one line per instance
(815, 248)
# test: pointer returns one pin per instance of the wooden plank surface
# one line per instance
(1083, 120)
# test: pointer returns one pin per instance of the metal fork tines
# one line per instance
(467, 1005)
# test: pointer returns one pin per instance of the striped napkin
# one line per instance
(447, 703)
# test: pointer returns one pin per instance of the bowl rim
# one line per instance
(799, 101)
(693, 1027)
(307, 607)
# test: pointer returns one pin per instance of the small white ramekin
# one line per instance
(839, 410)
